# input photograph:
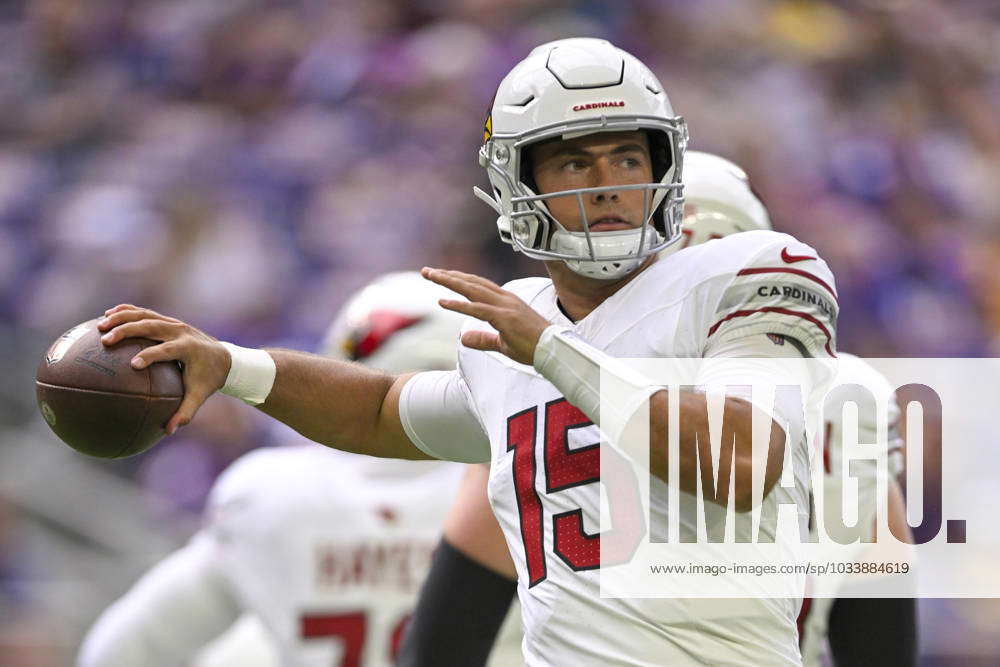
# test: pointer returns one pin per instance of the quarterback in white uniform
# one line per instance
(326, 549)
(718, 202)
(585, 155)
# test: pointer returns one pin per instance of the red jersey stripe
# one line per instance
(783, 311)
(785, 269)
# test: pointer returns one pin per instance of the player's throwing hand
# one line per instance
(206, 362)
(518, 325)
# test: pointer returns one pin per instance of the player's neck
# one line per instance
(579, 295)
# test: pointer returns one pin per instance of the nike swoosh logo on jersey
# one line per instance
(791, 259)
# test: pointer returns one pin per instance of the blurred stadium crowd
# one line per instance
(246, 164)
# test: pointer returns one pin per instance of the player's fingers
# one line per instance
(131, 314)
(481, 311)
(169, 351)
(120, 306)
(470, 290)
(481, 340)
(143, 328)
(454, 283)
(128, 308)
(116, 316)
(194, 396)
(473, 278)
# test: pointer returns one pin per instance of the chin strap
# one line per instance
(503, 222)
(487, 199)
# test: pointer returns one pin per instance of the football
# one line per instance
(96, 402)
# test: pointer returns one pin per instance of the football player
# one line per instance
(718, 202)
(326, 549)
(585, 155)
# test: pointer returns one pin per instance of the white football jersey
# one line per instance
(246, 643)
(815, 614)
(329, 550)
(545, 461)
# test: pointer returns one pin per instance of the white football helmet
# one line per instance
(395, 324)
(569, 88)
(718, 201)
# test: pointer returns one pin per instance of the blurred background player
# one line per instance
(719, 201)
(327, 550)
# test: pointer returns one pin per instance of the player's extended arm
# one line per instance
(694, 437)
(335, 403)
(469, 588)
(877, 631)
(339, 404)
(169, 614)
(575, 367)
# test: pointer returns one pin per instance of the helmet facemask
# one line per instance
(532, 229)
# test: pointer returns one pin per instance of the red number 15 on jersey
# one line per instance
(564, 469)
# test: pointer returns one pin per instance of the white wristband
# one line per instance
(574, 367)
(251, 374)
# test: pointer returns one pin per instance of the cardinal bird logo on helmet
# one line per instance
(381, 325)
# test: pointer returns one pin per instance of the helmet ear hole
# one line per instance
(541, 233)
(660, 153)
(662, 159)
(504, 228)
(527, 170)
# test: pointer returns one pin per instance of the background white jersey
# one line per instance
(544, 457)
(322, 553)
(815, 613)
(247, 644)
(328, 550)
(332, 559)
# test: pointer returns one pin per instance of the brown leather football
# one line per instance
(96, 402)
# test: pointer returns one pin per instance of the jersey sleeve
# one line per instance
(747, 364)
(187, 599)
(439, 417)
(785, 288)
(172, 611)
(229, 510)
(243, 476)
